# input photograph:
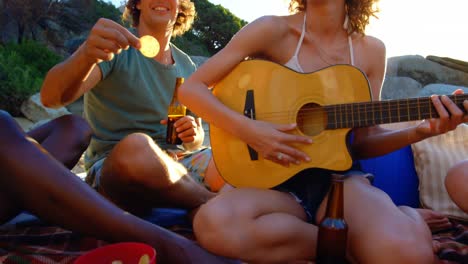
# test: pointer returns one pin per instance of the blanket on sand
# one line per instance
(41, 244)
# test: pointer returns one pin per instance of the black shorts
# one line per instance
(309, 187)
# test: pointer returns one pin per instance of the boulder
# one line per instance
(24, 123)
(399, 88)
(451, 63)
(426, 72)
(440, 89)
(35, 111)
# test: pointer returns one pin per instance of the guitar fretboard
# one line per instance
(383, 112)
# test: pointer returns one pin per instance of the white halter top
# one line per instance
(293, 62)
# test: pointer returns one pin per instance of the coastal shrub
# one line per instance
(35, 54)
(22, 69)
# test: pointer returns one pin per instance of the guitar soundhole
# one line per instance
(311, 119)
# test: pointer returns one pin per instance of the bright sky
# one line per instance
(407, 27)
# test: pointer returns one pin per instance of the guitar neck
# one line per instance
(384, 112)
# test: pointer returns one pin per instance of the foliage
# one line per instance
(106, 10)
(36, 55)
(29, 13)
(215, 25)
(191, 44)
(22, 67)
(63, 23)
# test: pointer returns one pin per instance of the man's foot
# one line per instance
(436, 221)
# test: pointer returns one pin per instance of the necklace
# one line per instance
(322, 53)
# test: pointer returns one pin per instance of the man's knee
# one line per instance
(6, 120)
(76, 129)
(130, 160)
(10, 132)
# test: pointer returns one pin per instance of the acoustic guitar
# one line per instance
(325, 104)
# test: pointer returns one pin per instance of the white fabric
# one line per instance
(293, 62)
(432, 159)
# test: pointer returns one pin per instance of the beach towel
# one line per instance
(37, 243)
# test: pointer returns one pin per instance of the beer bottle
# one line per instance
(333, 230)
(175, 112)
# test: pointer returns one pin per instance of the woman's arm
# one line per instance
(253, 40)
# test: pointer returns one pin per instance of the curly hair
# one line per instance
(183, 23)
(359, 12)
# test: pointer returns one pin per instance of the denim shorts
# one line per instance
(309, 187)
(196, 163)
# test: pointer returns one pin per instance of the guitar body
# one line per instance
(282, 96)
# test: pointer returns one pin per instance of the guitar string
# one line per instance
(345, 110)
(343, 115)
(345, 118)
(358, 107)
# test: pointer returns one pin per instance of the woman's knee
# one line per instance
(456, 183)
(456, 174)
(393, 246)
(217, 227)
(409, 248)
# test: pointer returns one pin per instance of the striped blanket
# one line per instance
(41, 244)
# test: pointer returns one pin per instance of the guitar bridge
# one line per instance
(249, 111)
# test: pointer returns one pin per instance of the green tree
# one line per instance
(215, 25)
(21, 76)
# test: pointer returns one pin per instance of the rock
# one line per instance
(40, 123)
(451, 63)
(35, 111)
(399, 88)
(427, 72)
(76, 107)
(24, 123)
(440, 89)
(392, 66)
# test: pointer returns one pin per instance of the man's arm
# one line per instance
(70, 79)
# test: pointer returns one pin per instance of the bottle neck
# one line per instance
(335, 200)
(176, 109)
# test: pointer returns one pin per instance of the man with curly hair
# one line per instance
(279, 225)
(126, 97)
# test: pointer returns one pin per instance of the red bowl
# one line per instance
(126, 253)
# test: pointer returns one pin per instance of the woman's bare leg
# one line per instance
(456, 183)
(268, 226)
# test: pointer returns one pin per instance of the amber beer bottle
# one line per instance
(333, 230)
(175, 112)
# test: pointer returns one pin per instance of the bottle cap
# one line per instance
(179, 81)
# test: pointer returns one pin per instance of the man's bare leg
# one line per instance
(35, 181)
(137, 175)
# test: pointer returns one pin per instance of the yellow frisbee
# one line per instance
(149, 46)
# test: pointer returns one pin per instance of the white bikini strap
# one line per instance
(351, 51)
(302, 36)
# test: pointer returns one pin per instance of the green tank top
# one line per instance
(133, 96)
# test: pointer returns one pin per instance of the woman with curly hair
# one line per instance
(126, 100)
(279, 224)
